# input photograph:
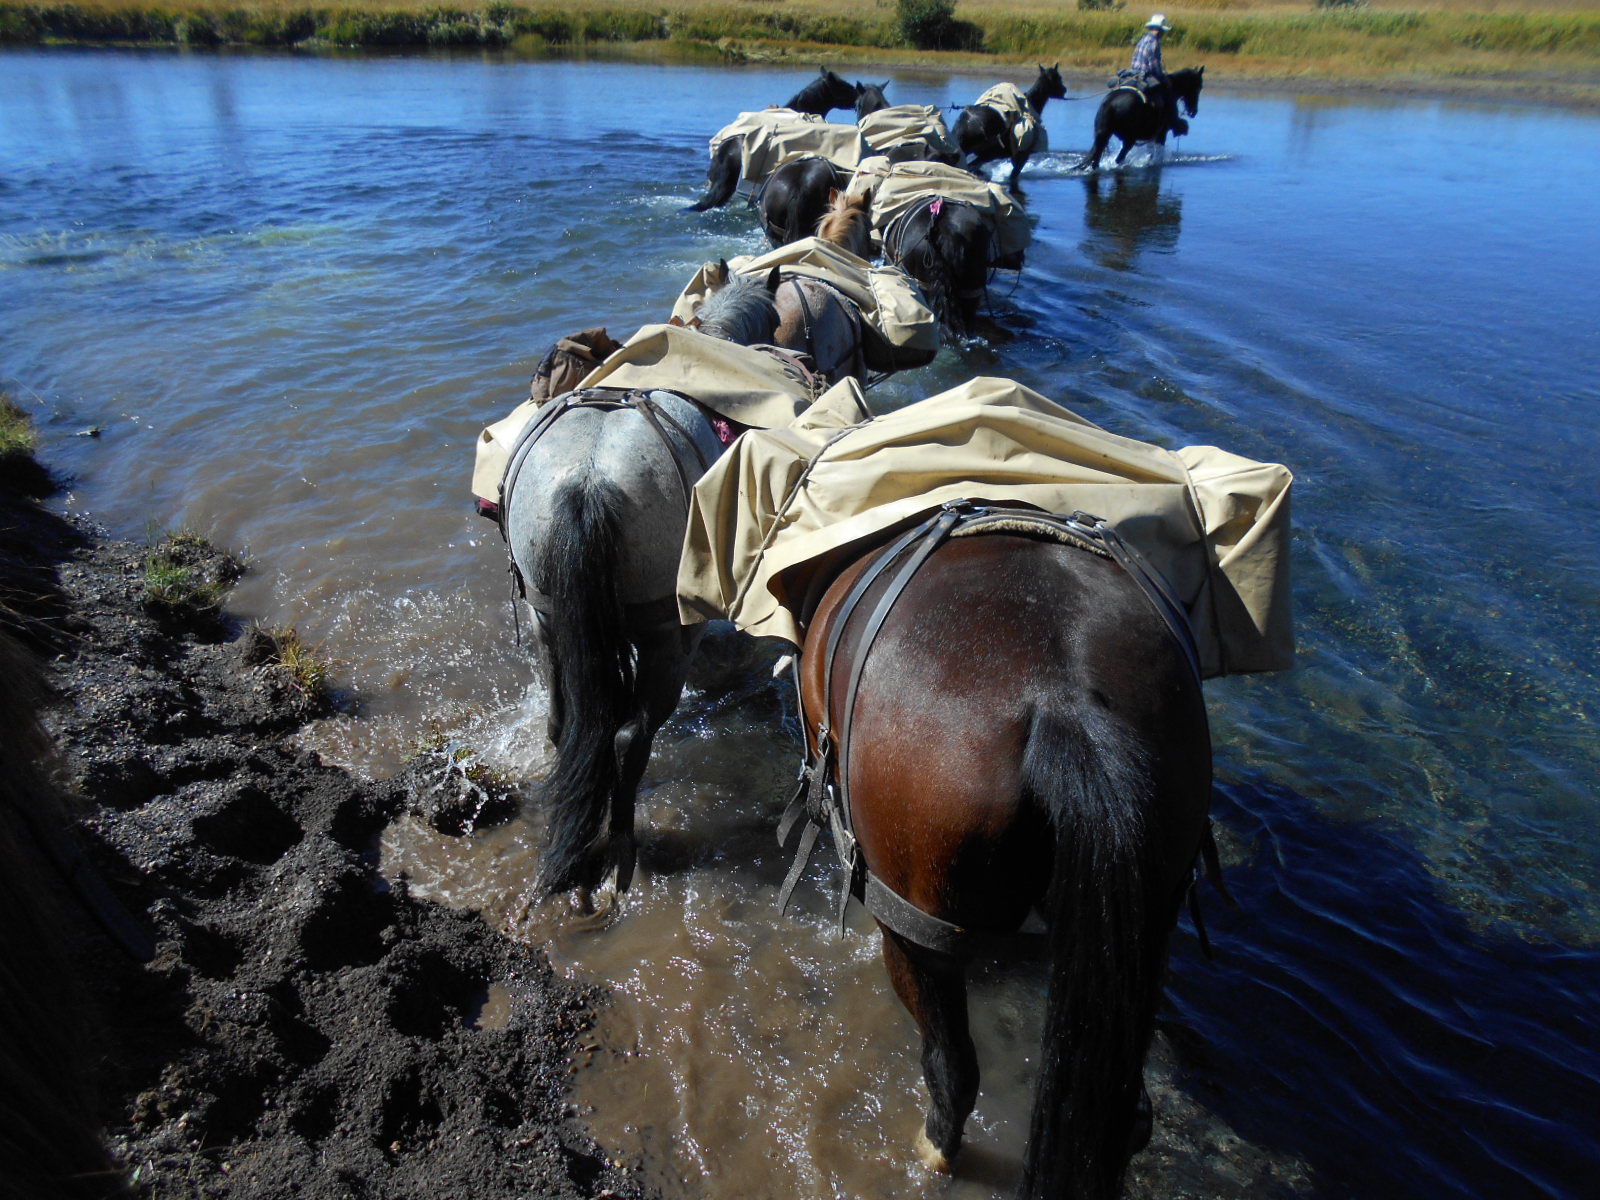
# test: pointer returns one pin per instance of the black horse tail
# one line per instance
(579, 572)
(1086, 770)
(722, 177)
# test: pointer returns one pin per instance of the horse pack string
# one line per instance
(823, 794)
(647, 614)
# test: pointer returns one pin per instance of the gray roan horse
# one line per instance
(595, 504)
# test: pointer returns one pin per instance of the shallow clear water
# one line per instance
(290, 290)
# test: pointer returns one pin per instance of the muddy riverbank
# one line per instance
(263, 1014)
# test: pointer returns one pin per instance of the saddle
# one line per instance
(567, 362)
(823, 795)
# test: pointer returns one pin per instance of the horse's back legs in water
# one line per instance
(662, 669)
(933, 987)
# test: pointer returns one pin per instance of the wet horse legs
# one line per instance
(934, 990)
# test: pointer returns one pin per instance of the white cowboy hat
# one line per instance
(1159, 21)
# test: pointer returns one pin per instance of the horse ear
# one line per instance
(885, 84)
(833, 196)
(774, 278)
(1202, 70)
(717, 272)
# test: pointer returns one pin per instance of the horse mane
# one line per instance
(848, 222)
(742, 310)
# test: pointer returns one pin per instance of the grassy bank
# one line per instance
(1491, 44)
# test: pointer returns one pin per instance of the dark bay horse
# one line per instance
(983, 134)
(1127, 113)
(594, 512)
(1018, 729)
(819, 97)
(947, 246)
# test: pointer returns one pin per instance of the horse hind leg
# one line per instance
(934, 991)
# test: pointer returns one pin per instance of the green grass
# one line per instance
(184, 575)
(308, 670)
(16, 429)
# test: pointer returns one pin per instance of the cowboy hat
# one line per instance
(1159, 21)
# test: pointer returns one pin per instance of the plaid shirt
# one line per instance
(1147, 55)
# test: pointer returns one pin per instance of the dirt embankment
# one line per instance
(265, 1015)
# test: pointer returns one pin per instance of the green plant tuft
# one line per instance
(186, 577)
(16, 429)
(308, 670)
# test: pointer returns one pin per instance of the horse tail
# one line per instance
(929, 263)
(1086, 770)
(579, 571)
(722, 177)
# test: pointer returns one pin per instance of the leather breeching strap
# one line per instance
(823, 793)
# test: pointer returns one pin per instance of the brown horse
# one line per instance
(1015, 726)
(815, 319)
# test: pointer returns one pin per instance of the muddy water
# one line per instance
(288, 291)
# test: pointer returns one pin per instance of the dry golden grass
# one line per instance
(1545, 48)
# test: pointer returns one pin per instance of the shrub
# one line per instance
(931, 25)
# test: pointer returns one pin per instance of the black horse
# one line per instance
(870, 98)
(984, 133)
(819, 97)
(948, 247)
(1134, 116)
(824, 94)
(795, 197)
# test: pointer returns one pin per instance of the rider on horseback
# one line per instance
(1147, 73)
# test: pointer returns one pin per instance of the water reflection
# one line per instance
(1126, 213)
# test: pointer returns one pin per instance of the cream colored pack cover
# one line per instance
(899, 187)
(1026, 130)
(890, 301)
(790, 502)
(908, 132)
(739, 382)
(775, 135)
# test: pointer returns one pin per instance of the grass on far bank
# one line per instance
(1447, 40)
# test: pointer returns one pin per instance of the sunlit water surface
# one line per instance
(288, 291)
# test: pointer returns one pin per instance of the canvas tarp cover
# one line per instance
(788, 503)
(907, 132)
(890, 301)
(738, 382)
(1024, 131)
(897, 188)
(775, 135)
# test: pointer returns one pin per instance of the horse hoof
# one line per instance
(932, 1157)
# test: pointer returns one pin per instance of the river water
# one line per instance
(289, 290)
